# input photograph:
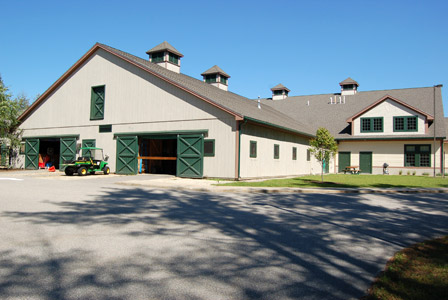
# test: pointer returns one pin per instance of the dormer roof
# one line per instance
(428, 116)
(215, 70)
(165, 46)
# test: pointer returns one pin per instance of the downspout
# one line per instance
(240, 128)
(442, 159)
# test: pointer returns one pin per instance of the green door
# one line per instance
(32, 154)
(88, 143)
(365, 162)
(190, 155)
(68, 151)
(127, 153)
(344, 161)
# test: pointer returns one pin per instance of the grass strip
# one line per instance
(350, 181)
(417, 272)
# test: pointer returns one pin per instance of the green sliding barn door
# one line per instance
(190, 155)
(68, 151)
(32, 154)
(365, 162)
(127, 153)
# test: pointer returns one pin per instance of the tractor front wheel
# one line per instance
(106, 170)
(82, 171)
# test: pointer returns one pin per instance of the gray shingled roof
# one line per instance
(164, 46)
(320, 113)
(239, 105)
(215, 70)
(348, 81)
(279, 87)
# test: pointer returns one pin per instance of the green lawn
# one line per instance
(414, 273)
(352, 181)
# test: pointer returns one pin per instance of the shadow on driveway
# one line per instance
(307, 246)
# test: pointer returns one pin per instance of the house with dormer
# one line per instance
(149, 117)
(402, 128)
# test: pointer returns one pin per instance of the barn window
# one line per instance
(253, 149)
(276, 151)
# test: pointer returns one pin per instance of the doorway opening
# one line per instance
(157, 155)
(49, 150)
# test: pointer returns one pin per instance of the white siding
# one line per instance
(264, 165)
(135, 102)
(390, 152)
(389, 109)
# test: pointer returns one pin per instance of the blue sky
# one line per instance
(308, 46)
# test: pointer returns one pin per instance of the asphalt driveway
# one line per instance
(91, 238)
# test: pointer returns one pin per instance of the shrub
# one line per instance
(413, 173)
(400, 172)
(425, 174)
(408, 173)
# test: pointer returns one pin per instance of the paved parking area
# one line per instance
(93, 238)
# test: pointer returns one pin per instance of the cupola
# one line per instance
(279, 92)
(217, 77)
(349, 87)
(166, 56)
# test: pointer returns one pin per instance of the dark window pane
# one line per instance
(410, 160)
(365, 125)
(209, 147)
(399, 123)
(424, 160)
(412, 123)
(377, 124)
(253, 149)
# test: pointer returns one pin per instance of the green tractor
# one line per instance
(92, 161)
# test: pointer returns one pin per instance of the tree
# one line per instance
(323, 147)
(10, 110)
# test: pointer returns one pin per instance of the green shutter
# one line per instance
(67, 152)
(343, 161)
(88, 143)
(32, 154)
(190, 155)
(127, 153)
(97, 103)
